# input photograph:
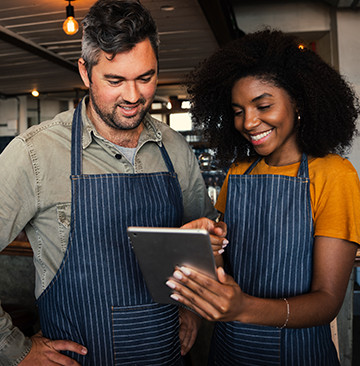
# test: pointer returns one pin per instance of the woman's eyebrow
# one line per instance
(264, 95)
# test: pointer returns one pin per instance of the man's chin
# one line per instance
(128, 124)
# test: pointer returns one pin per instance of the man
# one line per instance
(125, 169)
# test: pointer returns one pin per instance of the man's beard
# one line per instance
(113, 121)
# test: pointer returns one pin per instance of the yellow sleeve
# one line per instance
(221, 200)
(239, 168)
(336, 199)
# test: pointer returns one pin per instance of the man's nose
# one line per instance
(131, 92)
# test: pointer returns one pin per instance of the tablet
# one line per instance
(160, 250)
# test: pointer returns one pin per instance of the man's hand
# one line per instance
(189, 326)
(47, 352)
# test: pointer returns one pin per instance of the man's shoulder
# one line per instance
(167, 133)
(61, 123)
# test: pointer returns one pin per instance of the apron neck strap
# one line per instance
(166, 158)
(303, 171)
(76, 142)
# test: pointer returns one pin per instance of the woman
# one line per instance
(291, 203)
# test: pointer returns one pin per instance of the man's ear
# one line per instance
(83, 72)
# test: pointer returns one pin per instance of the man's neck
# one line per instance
(125, 138)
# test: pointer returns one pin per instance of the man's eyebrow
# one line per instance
(119, 77)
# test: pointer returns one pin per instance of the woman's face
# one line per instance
(265, 115)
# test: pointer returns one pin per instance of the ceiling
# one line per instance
(35, 53)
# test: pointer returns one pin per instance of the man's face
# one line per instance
(121, 90)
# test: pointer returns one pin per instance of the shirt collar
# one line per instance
(149, 133)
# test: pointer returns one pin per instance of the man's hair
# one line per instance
(115, 26)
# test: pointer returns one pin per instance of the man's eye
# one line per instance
(145, 80)
(114, 82)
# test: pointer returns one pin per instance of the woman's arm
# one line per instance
(224, 300)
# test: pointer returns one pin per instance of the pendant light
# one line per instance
(70, 25)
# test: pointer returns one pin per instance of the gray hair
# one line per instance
(115, 26)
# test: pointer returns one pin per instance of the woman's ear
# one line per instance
(83, 72)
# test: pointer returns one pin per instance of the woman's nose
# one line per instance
(251, 121)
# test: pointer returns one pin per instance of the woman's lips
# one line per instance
(260, 137)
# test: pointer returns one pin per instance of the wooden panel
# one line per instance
(20, 246)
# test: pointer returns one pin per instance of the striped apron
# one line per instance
(98, 297)
(270, 229)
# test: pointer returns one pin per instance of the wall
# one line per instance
(348, 23)
(289, 17)
(9, 116)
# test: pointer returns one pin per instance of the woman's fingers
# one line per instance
(185, 296)
(210, 298)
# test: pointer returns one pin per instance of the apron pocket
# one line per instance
(245, 345)
(146, 335)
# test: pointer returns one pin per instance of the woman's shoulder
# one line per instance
(331, 165)
(332, 172)
(240, 167)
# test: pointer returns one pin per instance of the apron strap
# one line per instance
(76, 145)
(303, 171)
(252, 166)
(166, 158)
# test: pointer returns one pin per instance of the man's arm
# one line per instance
(16, 187)
(14, 346)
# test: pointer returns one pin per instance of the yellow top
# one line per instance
(334, 193)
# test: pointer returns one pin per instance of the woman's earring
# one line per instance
(298, 118)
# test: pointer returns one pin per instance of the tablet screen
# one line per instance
(160, 250)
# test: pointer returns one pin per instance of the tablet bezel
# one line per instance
(177, 247)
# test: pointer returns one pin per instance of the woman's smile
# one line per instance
(257, 139)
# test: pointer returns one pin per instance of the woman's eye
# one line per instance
(238, 113)
(263, 107)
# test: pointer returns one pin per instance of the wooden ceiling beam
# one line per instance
(16, 40)
(221, 18)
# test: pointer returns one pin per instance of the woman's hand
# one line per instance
(213, 300)
(217, 231)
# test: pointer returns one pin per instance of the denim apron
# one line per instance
(270, 230)
(98, 297)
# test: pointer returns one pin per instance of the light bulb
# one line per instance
(70, 26)
(35, 93)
